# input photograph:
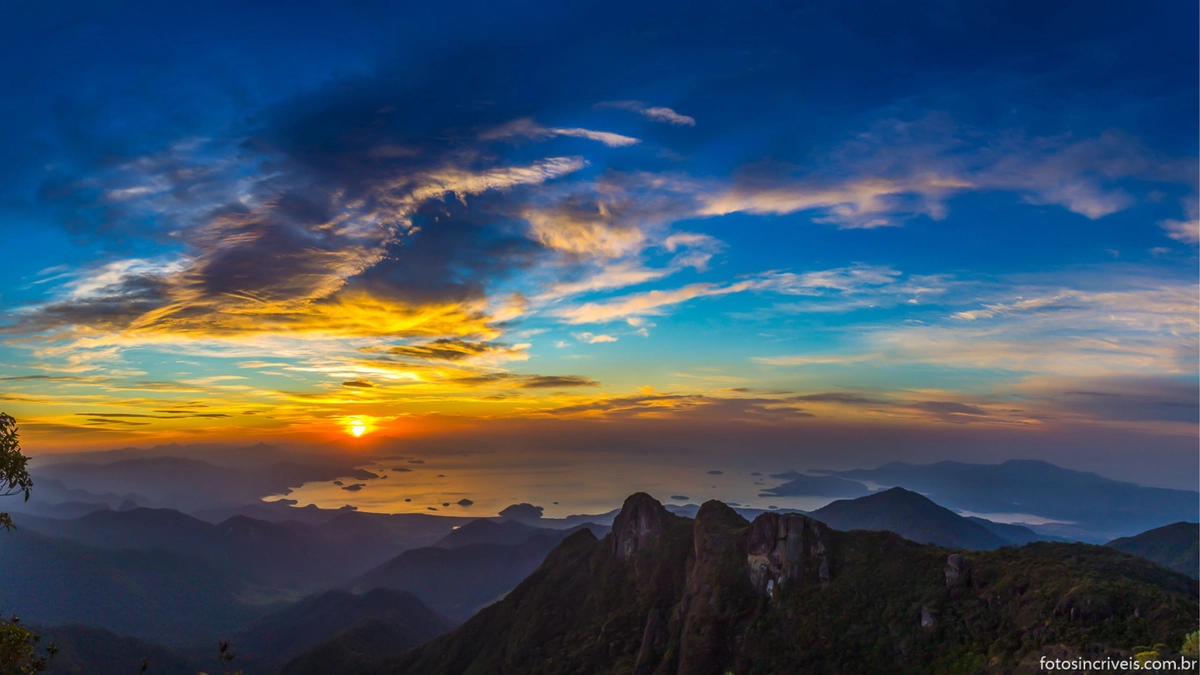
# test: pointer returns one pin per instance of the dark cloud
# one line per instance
(527, 381)
(363, 384)
(381, 189)
(446, 349)
(687, 406)
(168, 415)
(555, 381)
(1135, 400)
(111, 307)
(456, 252)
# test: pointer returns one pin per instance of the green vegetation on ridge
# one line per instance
(682, 603)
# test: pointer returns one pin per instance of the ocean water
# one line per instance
(436, 483)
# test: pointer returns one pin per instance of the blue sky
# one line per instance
(971, 225)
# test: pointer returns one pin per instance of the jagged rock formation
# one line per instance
(782, 547)
(664, 595)
(638, 524)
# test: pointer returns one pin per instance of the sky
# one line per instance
(786, 235)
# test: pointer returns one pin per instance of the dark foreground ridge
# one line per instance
(664, 594)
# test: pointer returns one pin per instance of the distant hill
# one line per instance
(1175, 546)
(279, 637)
(53, 499)
(288, 554)
(458, 581)
(85, 650)
(148, 593)
(785, 593)
(485, 531)
(232, 456)
(1088, 506)
(910, 515)
(804, 485)
(189, 484)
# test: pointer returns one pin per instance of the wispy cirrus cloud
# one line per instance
(649, 303)
(842, 282)
(655, 113)
(1110, 327)
(1188, 229)
(526, 128)
(899, 169)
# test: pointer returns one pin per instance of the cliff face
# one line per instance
(786, 548)
(639, 523)
(664, 595)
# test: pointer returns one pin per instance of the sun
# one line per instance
(357, 428)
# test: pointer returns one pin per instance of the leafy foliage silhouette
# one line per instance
(225, 656)
(18, 645)
(14, 474)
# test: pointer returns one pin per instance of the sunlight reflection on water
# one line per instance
(429, 484)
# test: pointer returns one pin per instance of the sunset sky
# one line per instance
(855, 232)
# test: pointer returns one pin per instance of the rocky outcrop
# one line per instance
(639, 523)
(955, 566)
(783, 547)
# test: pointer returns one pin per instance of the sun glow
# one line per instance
(357, 428)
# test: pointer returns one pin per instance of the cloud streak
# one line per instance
(899, 170)
(654, 113)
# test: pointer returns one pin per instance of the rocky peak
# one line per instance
(639, 523)
(783, 547)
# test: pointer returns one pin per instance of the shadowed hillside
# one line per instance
(145, 593)
(1175, 546)
(458, 581)
(279, 637)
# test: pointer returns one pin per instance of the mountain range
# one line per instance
(1055, 501)
(287, 554)
(163, 576)
(787, 593)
